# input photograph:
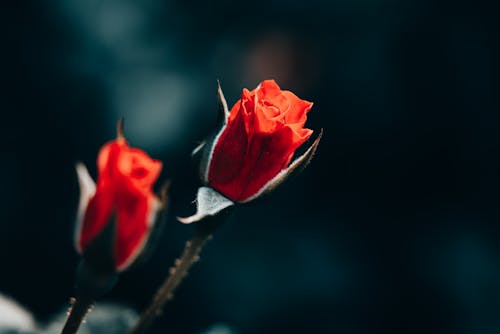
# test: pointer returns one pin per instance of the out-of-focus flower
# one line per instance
(251, 154)
(121, 210)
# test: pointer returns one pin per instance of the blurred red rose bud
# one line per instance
(119, 213)
(252, 152)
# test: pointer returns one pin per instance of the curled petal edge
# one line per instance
(297, 165)
(87, 191)
(208, 203)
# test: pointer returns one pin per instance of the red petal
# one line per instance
(107, 159)
(265, 156)
(264, 129)
(133, 213)
(228, 155)
(262, 122)
(97, 215)
(268, 89)
(139, 168)
(103, 157)
(269, 94)
(297, 113)
(124, 188)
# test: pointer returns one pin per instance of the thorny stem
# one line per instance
(176, 274)
(90, 285)
(79, 309)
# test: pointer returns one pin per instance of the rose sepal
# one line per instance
(205, 149)
(87, 190)
(208, 203)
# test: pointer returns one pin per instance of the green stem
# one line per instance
(177, 273)
(90, 285)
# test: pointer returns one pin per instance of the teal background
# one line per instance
(393, 227)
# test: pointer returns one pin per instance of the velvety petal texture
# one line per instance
(123, 195)
(263, 131)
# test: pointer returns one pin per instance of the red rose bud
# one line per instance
(121, 210)
(252, 152)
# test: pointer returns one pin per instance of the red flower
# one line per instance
(263, 130)
(252, 152)
(123, 196)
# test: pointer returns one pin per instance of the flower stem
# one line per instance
(90, 285)
(176, 274)
(79, 310)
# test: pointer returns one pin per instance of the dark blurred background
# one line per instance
(393, 228)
